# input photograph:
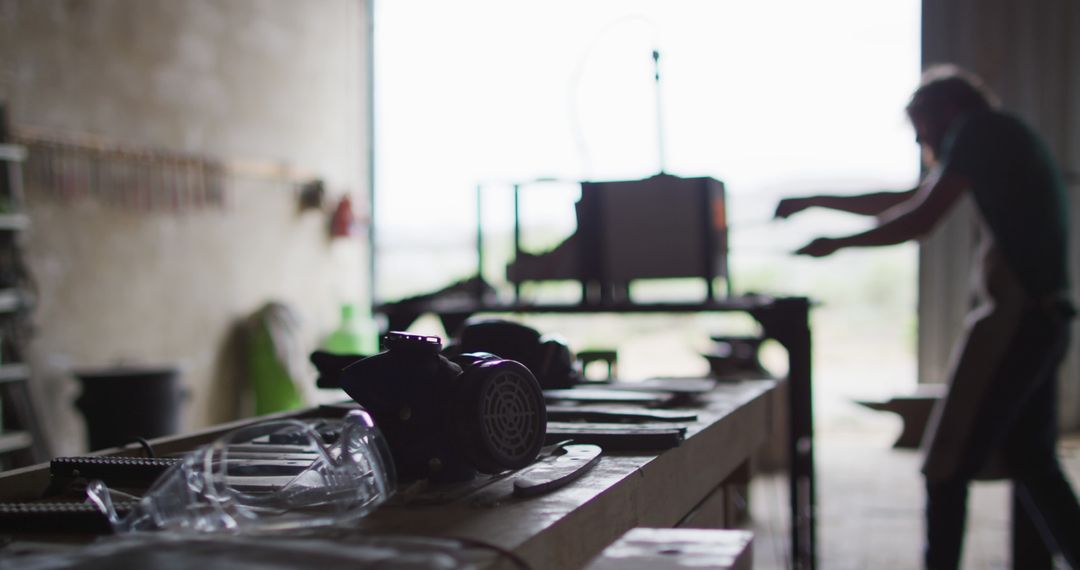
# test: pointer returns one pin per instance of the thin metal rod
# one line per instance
(517, 237)
(659, 112)
(479, 236)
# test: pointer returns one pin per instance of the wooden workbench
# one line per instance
(784, 319)
(568, 527)
(682, 486)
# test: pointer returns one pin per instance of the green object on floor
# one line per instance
(273, 350)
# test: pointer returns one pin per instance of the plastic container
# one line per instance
(124, 403)
(354, 335)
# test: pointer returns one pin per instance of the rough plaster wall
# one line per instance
(1027, 53)
(237, 80)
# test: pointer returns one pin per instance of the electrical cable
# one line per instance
(148, 449)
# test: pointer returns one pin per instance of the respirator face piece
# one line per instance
(500, 413)
(549, 359)
(445, 419)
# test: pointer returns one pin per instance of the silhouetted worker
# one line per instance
(1000, 409)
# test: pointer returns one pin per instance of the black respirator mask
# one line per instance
(549, 359)
(447, 418)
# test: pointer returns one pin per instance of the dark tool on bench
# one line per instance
(447, 419)
(619, 437)
(613, 414)
(736, 357)
(557, 466)
(603, 395)
(113, 470)
(258, 469)
(549, 359)
(55, 517)
(679, 387)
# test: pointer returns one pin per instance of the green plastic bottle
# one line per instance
(355, 334)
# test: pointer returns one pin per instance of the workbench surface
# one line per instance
(567, 527)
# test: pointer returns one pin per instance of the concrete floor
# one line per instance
(870, 504)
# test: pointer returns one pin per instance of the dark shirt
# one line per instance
(1019, 193)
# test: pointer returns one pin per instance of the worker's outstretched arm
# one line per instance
(908, 220)
(872, 204)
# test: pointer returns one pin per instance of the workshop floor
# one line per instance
(870, 503)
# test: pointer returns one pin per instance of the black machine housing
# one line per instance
(445, 419)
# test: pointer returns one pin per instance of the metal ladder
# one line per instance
(22, 441)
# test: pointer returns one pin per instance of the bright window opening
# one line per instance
(775, 98)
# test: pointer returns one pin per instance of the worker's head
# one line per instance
(945, 93)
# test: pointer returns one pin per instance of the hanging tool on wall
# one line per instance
(72, 167)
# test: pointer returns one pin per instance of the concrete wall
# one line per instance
(1027, 52)
(272, 81)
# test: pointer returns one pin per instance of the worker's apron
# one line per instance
(988, 330)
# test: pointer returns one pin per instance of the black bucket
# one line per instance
(124, 403)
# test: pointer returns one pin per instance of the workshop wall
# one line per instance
(265, 88)
(1027, 53)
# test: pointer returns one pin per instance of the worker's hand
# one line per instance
(820, 247)
(790, 206)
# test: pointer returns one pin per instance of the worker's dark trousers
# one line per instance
(1019, 417)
